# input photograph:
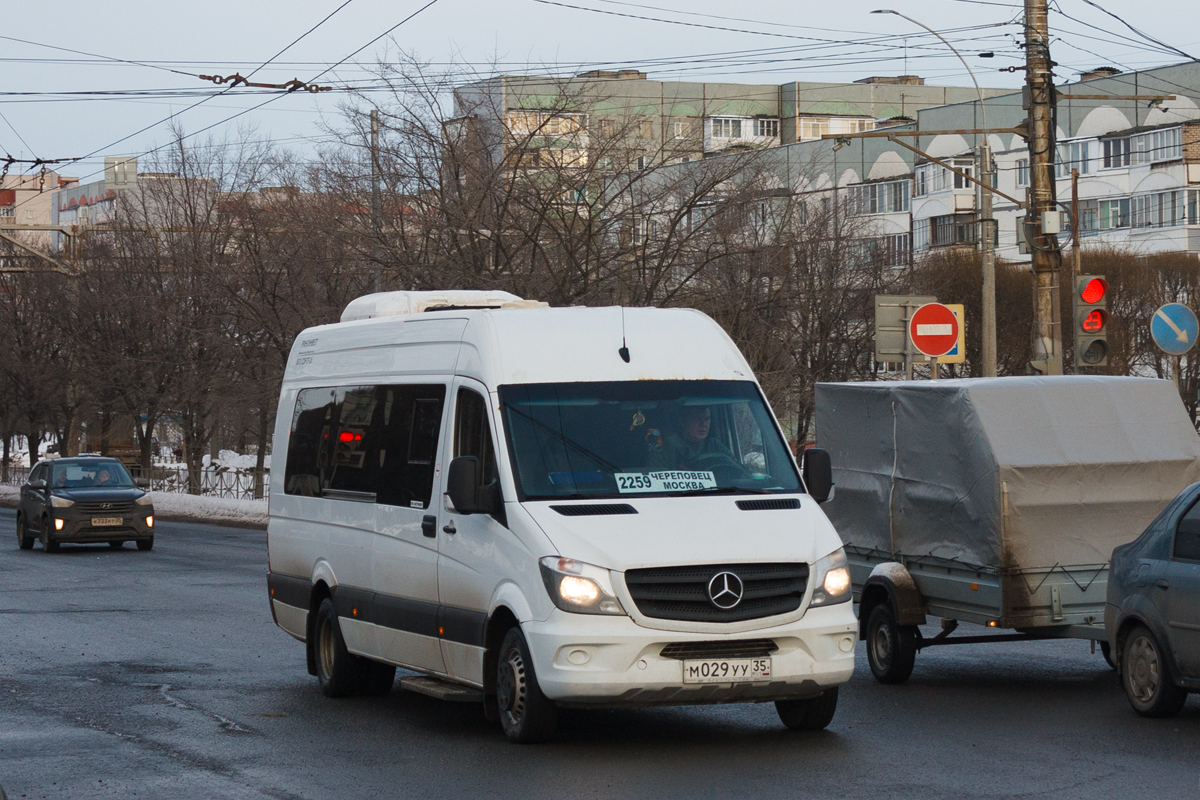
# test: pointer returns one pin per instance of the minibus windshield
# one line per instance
(637, 438)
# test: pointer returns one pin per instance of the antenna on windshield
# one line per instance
(624, 351)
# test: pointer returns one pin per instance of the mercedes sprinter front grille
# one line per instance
(718, 592)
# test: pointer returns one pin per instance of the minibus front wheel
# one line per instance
(526, 714)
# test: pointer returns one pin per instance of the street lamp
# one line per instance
(986, 238)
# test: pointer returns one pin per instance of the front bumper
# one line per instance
(78, 528)
(625, 667)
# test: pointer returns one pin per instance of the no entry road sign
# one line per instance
(1174, 328)
(933, 329)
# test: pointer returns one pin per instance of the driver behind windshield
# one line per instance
(688, 446)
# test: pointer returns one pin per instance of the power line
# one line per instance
(19, 136)
(1145, 36)
(97, 55)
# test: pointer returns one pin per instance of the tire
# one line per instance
(891, 648)
(116, 545)
(1106, 651)
(1146, 677)
(811, 714)
(48, 543)
(145, 544)
(24, 537)
(338, 670)
(527, 715)
(376, 679)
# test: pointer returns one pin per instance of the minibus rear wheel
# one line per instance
(338, 671)
(811, 714)
(527, 715)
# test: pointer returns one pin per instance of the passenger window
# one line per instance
(38, 472)
(366, 443)
(308, 445)
(472, 436)
(412, 422)
(1187, 535)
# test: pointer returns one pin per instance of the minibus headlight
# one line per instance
(144, 500)
(61, 502)
(578, 587)
(831, 578)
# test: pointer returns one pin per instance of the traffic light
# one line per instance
(1091, 321)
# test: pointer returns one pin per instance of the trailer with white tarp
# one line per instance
(996, 501)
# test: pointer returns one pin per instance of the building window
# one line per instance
(1158, 210)
(951, 229)
(1116, 153)
(1156, 146)
(606, 128)
(921, 234)
(724, 128)
(766, 128)
(645, 129)
(683, 129)
(1022, 172)
(813, 127)
(641, 162)
(961, 182)
(1114, 214)
(921, 182)
(1072, 155)
(880, 198)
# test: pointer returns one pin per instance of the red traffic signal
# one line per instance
(1095, 321)
(1093, 291)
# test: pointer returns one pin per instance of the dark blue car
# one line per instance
(1152, 615)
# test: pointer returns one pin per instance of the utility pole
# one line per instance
(376, 202)
(987, 257)
(1040, 229)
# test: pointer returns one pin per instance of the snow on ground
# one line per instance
(193, 508)
(198, 508)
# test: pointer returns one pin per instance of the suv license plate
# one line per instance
(727, 670)
(100, 522)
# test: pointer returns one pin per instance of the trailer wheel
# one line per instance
(891, 648)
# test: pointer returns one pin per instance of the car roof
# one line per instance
(80, 460)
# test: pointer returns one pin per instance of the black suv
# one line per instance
(84, 500)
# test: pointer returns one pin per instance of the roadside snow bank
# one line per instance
(198, 508)
(194, 508)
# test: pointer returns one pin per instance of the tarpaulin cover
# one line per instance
(923, 468)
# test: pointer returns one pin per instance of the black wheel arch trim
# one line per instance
(907, 604)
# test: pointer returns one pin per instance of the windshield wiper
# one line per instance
(720, 490)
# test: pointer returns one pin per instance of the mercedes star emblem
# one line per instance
(725, 590)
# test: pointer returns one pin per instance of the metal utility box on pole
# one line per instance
(1043, 202)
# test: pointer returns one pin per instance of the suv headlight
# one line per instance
(832, 578)
(61, 502)
(144, 500)
(578, 587)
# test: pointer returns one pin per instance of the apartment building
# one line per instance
(1138, 165)
(26, 203)
(633, 122)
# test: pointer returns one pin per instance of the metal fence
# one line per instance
(214, 482)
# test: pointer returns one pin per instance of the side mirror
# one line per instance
(141, 483)
(37, 486)
(462, 484)
(817, 470)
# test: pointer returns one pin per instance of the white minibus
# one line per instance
(541, 508)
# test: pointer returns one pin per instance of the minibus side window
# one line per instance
(308, 444)
(472, 436)
(412, 420)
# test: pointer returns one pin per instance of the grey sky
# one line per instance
(222, 37)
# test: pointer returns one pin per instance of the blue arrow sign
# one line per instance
(1174, 328)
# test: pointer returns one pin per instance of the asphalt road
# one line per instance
(161, 675)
